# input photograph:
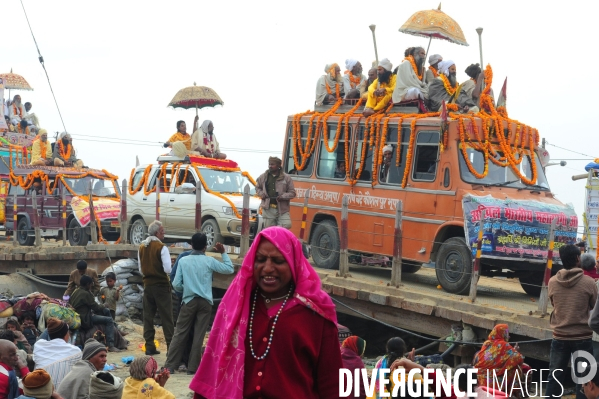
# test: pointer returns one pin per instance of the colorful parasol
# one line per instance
(12, 81)
(196, 97)
(434, 24)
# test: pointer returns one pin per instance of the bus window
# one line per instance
(366, 175)
(390, 173)
(289, 163)
(16, 189)
(427, 152)
(331, 165)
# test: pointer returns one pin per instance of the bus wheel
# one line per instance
(531, 284)
(454, 266)
(325, 245)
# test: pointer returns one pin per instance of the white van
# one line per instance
(220, 222)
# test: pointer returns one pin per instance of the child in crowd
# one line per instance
(110, 295)
(29, 329)
(20, 340)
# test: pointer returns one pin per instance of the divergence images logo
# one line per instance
(581, 360)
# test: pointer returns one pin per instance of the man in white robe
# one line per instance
(445, 88)
(408, 86)
(16, 111)
(433, 68)
(352, 79)
(30, 117)
(329, 87)
(204, 141)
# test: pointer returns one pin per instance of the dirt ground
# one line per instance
(178, 383)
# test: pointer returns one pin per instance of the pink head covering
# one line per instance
(220, 374)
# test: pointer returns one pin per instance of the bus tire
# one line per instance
(454, 266)
(531, 284)
(325, 245)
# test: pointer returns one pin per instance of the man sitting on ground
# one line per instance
(329, 87)
(56, 356)
(75, 277)
(204, 141)
(433, 69)
(41, 150)
(76, 383)
(84, 303)
(352, 79)
(409, 77)
(64, 154)
(381, 90)
(445, 88)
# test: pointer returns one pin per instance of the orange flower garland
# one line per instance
(337, 95)
(414, 67)
(433, 70)
(354, 81)
(65, 155)
(448, 88)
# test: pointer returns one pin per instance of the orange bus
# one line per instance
(436, 165)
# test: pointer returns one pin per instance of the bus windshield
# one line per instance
(499, 175)
(226, 182)
(100, 188)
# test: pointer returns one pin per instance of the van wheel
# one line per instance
(76, 234)
(531, 284)
(25, 235)
(138, 231)
(212, 231)
(325, 245)
(454, 266)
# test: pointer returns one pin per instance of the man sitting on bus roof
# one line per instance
(381, 90)
(64, 154)
(16, 111)
(366, 83)
(445, 87)
(433, 69)
(204, 141)
(41, 150)
(329, 87)
(409, 85)
(30, 117)
(353, 79)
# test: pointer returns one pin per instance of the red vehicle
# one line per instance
(49, 182)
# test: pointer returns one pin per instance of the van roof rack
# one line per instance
(172, 158)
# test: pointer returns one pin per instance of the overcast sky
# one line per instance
(115, 65)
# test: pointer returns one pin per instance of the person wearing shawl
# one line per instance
(41, 150)
(445, 88)
(352, 350)
(395, 349)
(104, 385)
(246, 356)
(381, 90)
(409, 84)
(496, 355)
(353, 79)
(329, 87)
(204, 141)
(144, 382)
(181, 135)
(433, 68)
(76, 383)
(64, 154)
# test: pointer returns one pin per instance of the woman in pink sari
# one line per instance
(275, 333)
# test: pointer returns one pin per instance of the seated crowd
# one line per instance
(407, 84)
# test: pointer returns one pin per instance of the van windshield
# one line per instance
(499, 175)
(226, 182)
(100, 188)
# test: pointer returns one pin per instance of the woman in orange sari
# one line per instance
(498, 356)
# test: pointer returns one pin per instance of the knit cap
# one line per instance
(38, 384)
(91, 348)
(57, 328)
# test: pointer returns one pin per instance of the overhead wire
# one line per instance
(41, 59)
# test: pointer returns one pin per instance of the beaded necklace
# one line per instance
(274, 323)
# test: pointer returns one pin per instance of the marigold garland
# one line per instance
(433, 70)
(448, 87)
(414, 67)
(66, 156)
(354, 81)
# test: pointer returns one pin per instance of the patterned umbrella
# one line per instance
(434, 24)
(196, 97)
(13, 81)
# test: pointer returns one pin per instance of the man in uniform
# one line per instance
(275, 187)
